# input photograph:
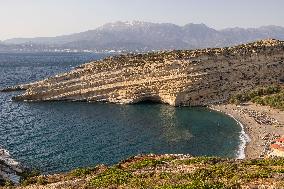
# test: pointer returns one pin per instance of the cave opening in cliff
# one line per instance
(150, 100)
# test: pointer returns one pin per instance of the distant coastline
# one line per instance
(138, 36)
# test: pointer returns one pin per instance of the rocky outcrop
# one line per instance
(10, 169)
(181, 77)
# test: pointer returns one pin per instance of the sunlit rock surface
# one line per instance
(186, 77)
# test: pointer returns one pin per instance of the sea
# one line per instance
(57, 137)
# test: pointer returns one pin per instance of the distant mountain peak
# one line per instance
(196, 25)
(147, 36)
(124, 24)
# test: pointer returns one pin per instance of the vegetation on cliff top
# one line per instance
(173, 171)
(272, 96)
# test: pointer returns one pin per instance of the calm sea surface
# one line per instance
(60, 136)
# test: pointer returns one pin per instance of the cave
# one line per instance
(149, 100)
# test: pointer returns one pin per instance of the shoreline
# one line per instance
(260, 135)
(244, 137)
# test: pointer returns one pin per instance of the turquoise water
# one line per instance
(60, 136)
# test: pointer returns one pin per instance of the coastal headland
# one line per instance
(203, 77)
(178, 78)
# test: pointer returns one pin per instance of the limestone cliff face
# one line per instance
(193, 77)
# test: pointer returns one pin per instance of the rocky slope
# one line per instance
(10, 170)
(184, 77)
(168, 172)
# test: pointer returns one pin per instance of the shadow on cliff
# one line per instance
(149, 100)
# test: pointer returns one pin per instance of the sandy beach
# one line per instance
(261, 123)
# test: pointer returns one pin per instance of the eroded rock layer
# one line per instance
(187, 77)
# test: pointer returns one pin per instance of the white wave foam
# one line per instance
(244, 138)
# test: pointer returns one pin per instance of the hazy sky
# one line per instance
(31, 18)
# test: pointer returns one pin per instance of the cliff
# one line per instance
(180, 77)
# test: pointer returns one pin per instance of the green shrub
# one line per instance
(266, 162)
(30, 173)
(80, 172)
(41, 180)
(8, 183)
(272, 96)
(196, 185)
(279, 170)
(111, 177)
(201, 160)
(29, 181)
(147, 163)
(259, 173)
(29, 177)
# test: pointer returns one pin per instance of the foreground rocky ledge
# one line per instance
(10, 170)
(169, 171)
(193, 77)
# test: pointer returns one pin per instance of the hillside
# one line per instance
(168, 172)
(185, 77)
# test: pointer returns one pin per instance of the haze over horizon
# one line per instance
(34, 18)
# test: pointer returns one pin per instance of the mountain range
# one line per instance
(144, 36)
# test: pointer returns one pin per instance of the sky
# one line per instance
(35, 18)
